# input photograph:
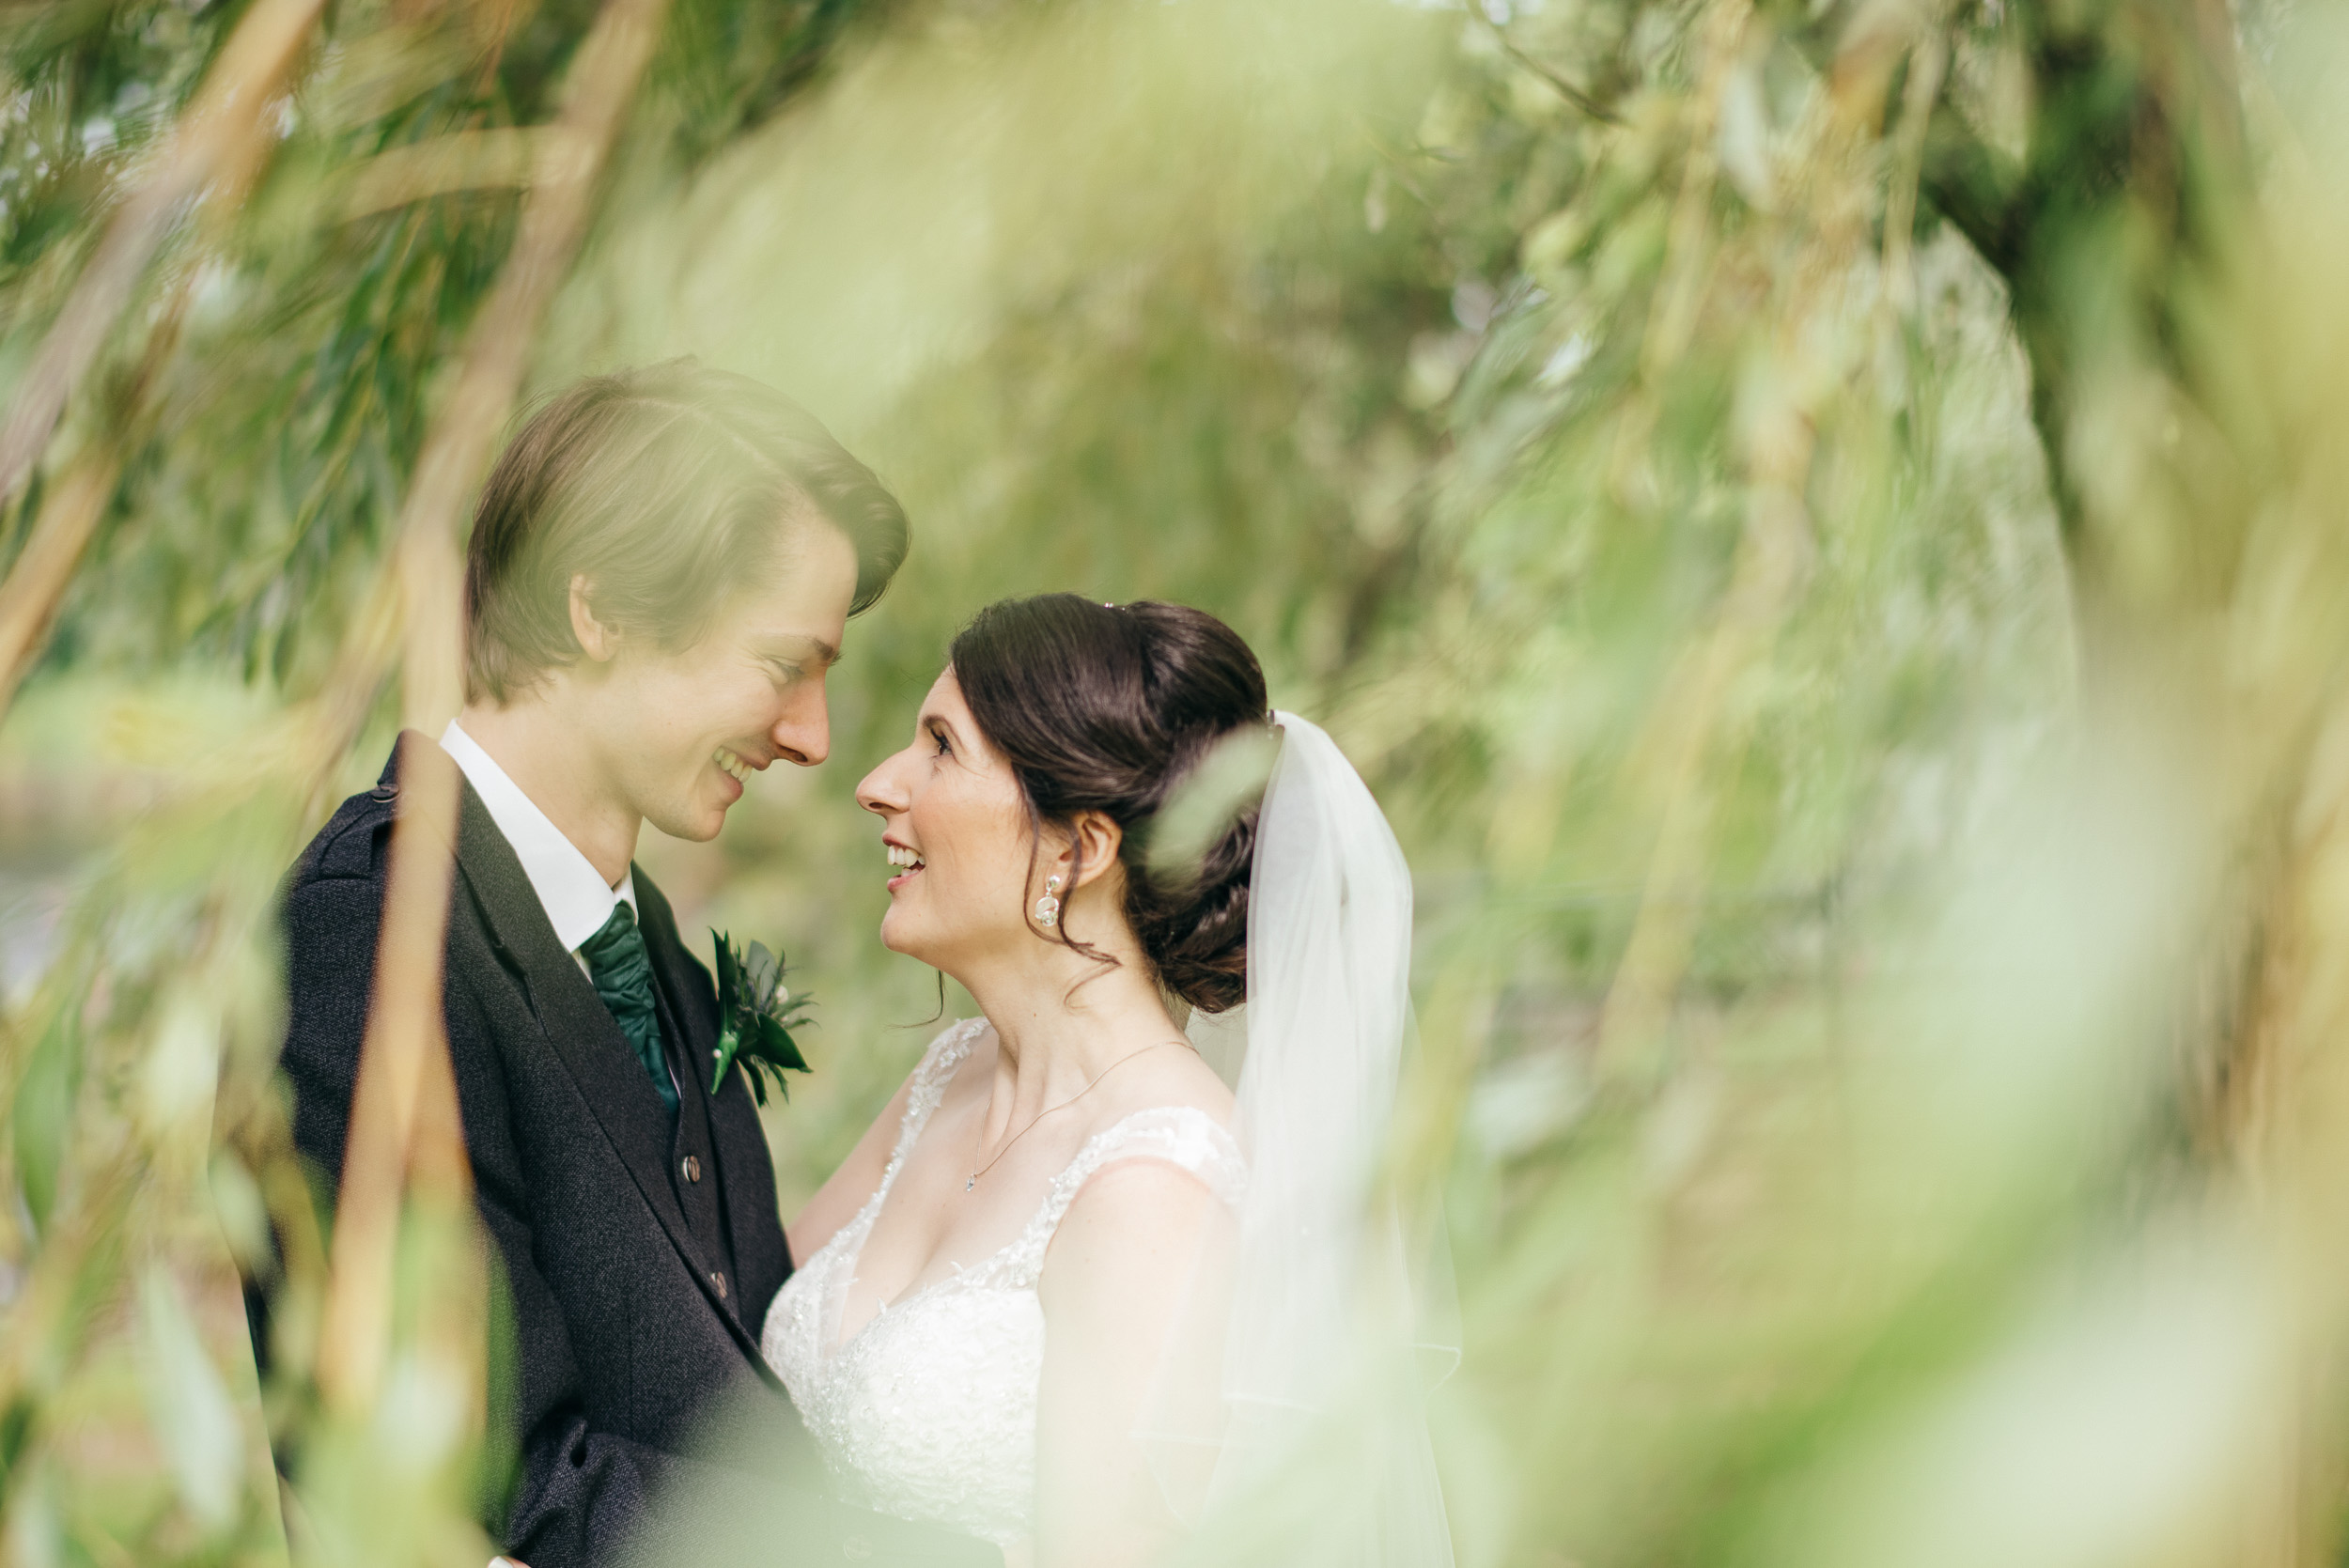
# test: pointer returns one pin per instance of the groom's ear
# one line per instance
(597, 640)
(1094, 840)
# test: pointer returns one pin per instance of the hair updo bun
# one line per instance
(1110, 708)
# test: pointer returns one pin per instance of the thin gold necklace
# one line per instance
(1063, 1105)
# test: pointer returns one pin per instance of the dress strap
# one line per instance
(925, 1091)
(933, 1073)
(1180, 1134)
(927, 1088)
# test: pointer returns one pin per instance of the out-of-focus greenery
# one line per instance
(1821, 524)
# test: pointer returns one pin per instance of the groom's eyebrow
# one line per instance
(806, 650)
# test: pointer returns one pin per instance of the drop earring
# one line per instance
(1047, 907)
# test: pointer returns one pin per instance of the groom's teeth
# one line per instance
(732, 764)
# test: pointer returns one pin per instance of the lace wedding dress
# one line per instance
(929, 1411)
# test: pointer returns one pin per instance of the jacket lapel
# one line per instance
(683, 985)
(737, 1139)
(740, 1142)
(581, 1031)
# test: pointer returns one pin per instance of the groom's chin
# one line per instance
(697, 824)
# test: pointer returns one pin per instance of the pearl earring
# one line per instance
(1047, 907)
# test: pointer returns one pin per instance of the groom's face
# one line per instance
(680, 733)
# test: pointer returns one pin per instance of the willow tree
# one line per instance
(1816, 520)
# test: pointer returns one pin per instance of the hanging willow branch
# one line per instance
(220, 138)
(1564, 89)
(213, 155)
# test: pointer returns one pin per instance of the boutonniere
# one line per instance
(756, 1016)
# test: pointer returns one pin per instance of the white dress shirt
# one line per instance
(577, 899)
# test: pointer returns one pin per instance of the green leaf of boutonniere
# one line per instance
(755, 1017)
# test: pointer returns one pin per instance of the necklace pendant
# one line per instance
(970, 1182)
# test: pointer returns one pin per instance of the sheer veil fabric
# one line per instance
(1312, 1445)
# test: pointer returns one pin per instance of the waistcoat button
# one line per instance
(719, 1278)
(692, 1167)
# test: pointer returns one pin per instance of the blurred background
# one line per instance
(1822, 523)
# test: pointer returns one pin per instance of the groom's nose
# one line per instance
(803, 733)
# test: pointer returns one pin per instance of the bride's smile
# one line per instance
(962, 845)
(906, 860)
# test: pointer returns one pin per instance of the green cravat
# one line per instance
(622, 971)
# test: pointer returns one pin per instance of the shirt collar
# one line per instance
(575, 896)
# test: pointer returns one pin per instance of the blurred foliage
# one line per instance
(1819, 523)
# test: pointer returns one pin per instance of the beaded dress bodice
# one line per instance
(929, 1411)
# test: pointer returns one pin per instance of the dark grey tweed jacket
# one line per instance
(639, 1257)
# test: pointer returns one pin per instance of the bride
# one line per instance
(1070, 1293)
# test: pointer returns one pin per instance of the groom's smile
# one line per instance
(731, 763)
(671, 735)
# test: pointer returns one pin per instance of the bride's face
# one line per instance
(959, 840)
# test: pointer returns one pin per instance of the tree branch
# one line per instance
(213, 155)
(1567, 89)
(216, 145)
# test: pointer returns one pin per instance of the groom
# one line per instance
(660, 571)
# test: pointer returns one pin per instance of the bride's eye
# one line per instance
(939, 745)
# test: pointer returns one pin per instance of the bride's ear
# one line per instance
(1094, 841)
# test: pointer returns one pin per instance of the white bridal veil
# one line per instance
(1313, 1449)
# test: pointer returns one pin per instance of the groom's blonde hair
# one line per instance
(668, 488)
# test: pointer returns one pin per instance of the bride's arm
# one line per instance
(845, 1190)
(1119, 1290)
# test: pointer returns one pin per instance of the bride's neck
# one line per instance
(1061, 1030)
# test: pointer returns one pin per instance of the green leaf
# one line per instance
(756, 1013)
(777, 1045)
(729, 976)
(43, 1116)
(188, 1405)
(729, 1042)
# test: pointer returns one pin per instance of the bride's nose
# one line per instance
(880, 792)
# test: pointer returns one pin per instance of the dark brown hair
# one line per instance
(667, 486)
(1110, 708)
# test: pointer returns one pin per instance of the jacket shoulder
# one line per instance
(350, 846)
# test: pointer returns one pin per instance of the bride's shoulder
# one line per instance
(1172, 1078)
(1142, 1198)
(1171, 1124)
